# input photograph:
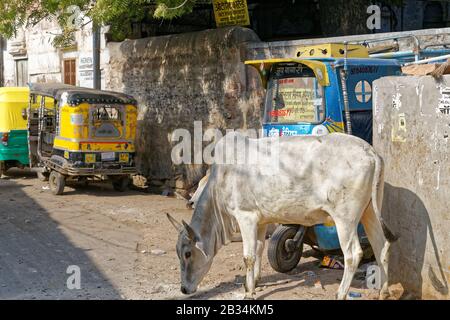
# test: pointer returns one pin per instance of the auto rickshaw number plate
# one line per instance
(89, 158)
(108, 156)
(124, 157)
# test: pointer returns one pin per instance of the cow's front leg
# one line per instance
(248, 227)
(250, 283)
(261, 235)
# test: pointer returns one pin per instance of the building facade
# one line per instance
(32, 56)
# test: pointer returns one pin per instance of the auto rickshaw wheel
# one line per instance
(121, 184)
(282, 256)
(43, 176)
(57, 183)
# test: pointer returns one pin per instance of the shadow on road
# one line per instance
(304, 275)
(35, 254)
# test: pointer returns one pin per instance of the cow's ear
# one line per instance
(191, 233)
(175, 223)
(199, 246)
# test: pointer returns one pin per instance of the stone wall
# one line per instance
(412, 134)
(180, 79)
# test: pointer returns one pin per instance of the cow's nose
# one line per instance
(184, 290)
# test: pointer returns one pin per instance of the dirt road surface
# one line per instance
(124, 247)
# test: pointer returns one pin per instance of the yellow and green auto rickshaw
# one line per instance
(87, 135)
(13, 127)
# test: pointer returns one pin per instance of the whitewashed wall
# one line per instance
(45, 62)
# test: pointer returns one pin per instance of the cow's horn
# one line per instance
(174, 222)
(190, 231)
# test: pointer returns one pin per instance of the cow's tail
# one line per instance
(377, 197)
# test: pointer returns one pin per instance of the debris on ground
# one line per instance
(318, 284)
(361, 273)
(354, 295)
(158, 252)
(167, 192)
(332, 262)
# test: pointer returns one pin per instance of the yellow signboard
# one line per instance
(231, 13)
(298, 105)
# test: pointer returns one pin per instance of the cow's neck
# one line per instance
(211, 224)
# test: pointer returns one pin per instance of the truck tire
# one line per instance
(280, 259)
(57, 183)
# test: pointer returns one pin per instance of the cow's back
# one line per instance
(294, 176)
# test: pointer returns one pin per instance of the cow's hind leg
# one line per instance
(261, 236)
(248, 226)
(380, 246)
(348, 238)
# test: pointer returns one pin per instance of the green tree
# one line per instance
(118, 14)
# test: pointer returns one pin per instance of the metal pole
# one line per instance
(96, 56)
(447, 56)
(344, 76)
(2, 79)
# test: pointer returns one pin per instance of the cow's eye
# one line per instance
(187, 254)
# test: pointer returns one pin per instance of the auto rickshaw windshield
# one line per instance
(107, 120)
(294, 95)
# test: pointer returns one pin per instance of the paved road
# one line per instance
(110, 237)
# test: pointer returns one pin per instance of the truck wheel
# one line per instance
(2, 168)
(43, 176)
(121, 184)
(57, 183)
(281, 258)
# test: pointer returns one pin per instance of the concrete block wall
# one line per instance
(412, 134)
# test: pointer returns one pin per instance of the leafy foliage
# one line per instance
(118, 14)
(169, 9)
(338, 16)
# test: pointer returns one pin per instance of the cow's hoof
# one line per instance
(340, 297)
(249, 296)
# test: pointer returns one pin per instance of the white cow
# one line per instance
(201, 185)
(310, 181)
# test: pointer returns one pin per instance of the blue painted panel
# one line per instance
(274, 130)
(328, 239)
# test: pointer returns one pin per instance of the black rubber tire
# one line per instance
(279, 258)
(121, 184)
(43, 176)
(57, 183)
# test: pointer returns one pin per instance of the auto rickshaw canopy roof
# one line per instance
(74, 96)
(13, 104)
(264, 66)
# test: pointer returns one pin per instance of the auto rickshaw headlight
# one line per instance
(319, 130)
